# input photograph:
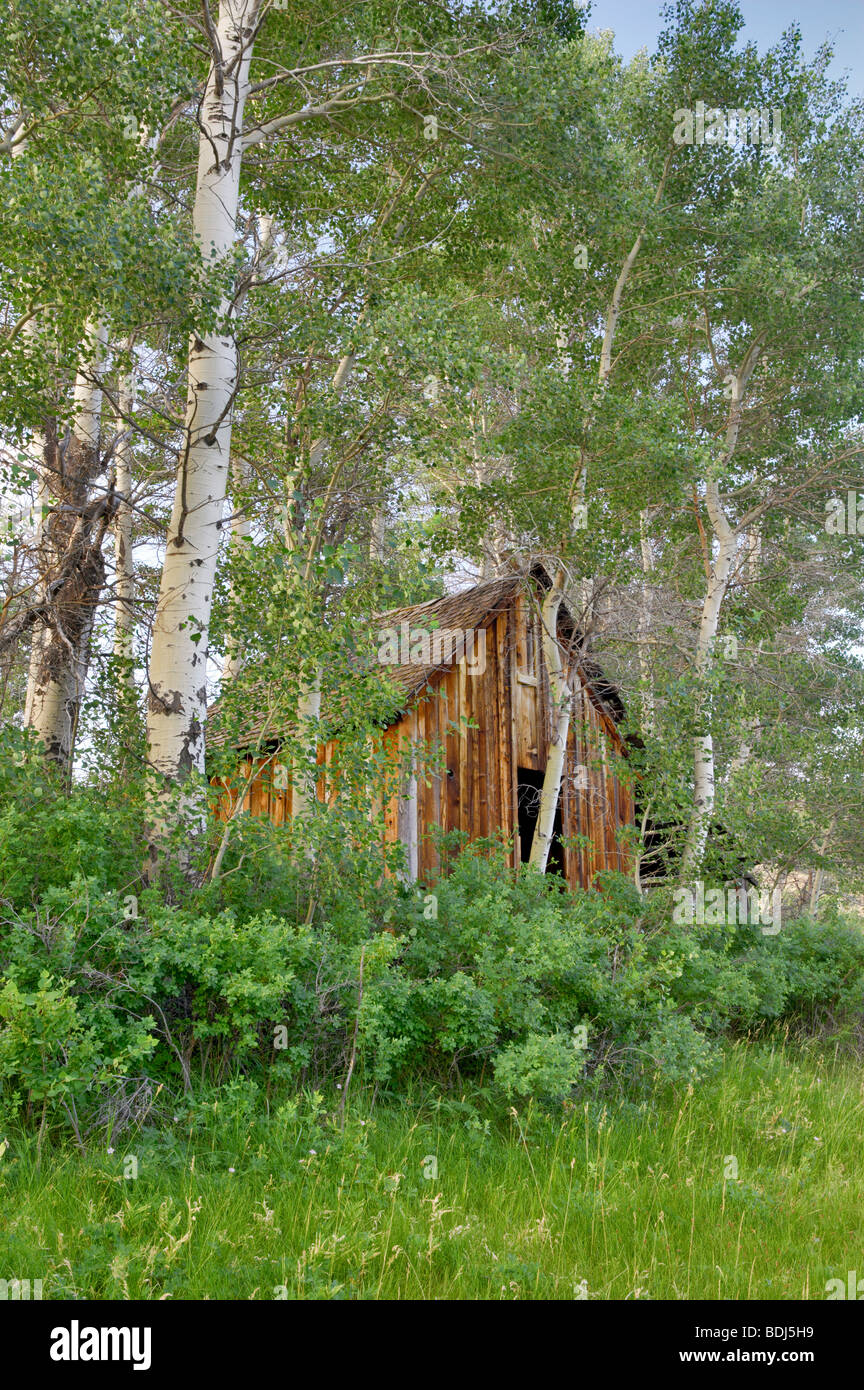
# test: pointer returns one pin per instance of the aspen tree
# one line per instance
(60, 653)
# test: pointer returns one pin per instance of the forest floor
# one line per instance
(748, 1186)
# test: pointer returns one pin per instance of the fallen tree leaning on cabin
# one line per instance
(556, 662)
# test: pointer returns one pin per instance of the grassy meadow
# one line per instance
(615, 1200)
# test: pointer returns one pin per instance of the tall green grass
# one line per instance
(635, 1199)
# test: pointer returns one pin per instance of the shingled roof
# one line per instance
(473, 608)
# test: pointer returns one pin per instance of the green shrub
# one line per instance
(286, 971)
(51, 1059)
(544, 1065)
(679, 1052)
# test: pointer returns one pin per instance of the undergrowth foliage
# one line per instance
(115, 998)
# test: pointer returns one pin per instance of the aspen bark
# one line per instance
(38, 446)
(752, 567)
(378, 534)
(552, 777)
(704, 773)
(559, 685)
(562, 699)
(703, 743)
(61, 651)
(177, 679)
(308, 713)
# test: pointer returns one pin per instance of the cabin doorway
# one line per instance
(529, 785)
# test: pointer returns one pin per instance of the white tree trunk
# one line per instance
(308, 715)
(560, 698)
(751, 568)
(241, 522)
(704, 776)
(556, 762)
(344, 372)
(703, 744)
(816, 893)
(561, 701)
(407, 812)
(378, 534)
(178, 681)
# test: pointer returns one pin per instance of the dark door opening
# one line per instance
(529, 786)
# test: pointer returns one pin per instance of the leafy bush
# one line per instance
(51, 1058)
(49, 835)
(680, 1053)
(285, 972)
(544, 1065)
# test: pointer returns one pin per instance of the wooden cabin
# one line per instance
(472, 683)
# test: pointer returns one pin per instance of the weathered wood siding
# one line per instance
(474, 786)
(468, 733)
